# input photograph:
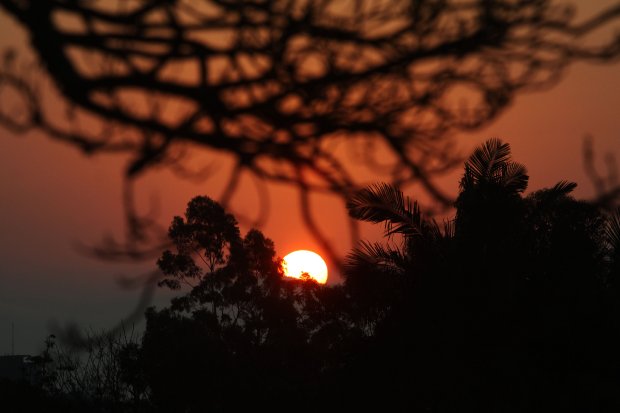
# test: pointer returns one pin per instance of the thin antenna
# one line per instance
(12, 338)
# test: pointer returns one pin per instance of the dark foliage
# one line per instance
(512, 306)
(243, 335)
(510, 309)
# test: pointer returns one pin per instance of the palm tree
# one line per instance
(466, 306)
(383, 276)
(490, 165)
(384, 203)
(397, 291)
(489, 206)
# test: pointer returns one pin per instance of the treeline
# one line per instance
(511, 306)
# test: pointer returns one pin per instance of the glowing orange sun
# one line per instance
(302, 261)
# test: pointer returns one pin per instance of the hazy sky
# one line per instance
(53, 198)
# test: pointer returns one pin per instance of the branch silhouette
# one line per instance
(281, 84)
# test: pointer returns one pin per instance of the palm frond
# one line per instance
(386, 203)
(612, 230)
(550, 196)
(374, 254)
(467, 181)
(449, 228)
(563, 188)
(487, 159)
(514, 177)
(431, 230)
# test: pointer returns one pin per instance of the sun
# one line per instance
(303, 261)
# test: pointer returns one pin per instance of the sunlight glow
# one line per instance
(298, 262)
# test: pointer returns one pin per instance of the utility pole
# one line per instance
(12, 338)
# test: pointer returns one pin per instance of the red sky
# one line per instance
(52, 197)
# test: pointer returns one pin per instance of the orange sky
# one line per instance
(52, 197)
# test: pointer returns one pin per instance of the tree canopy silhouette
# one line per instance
(287, 86)
(512, 305)
(241, 327)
